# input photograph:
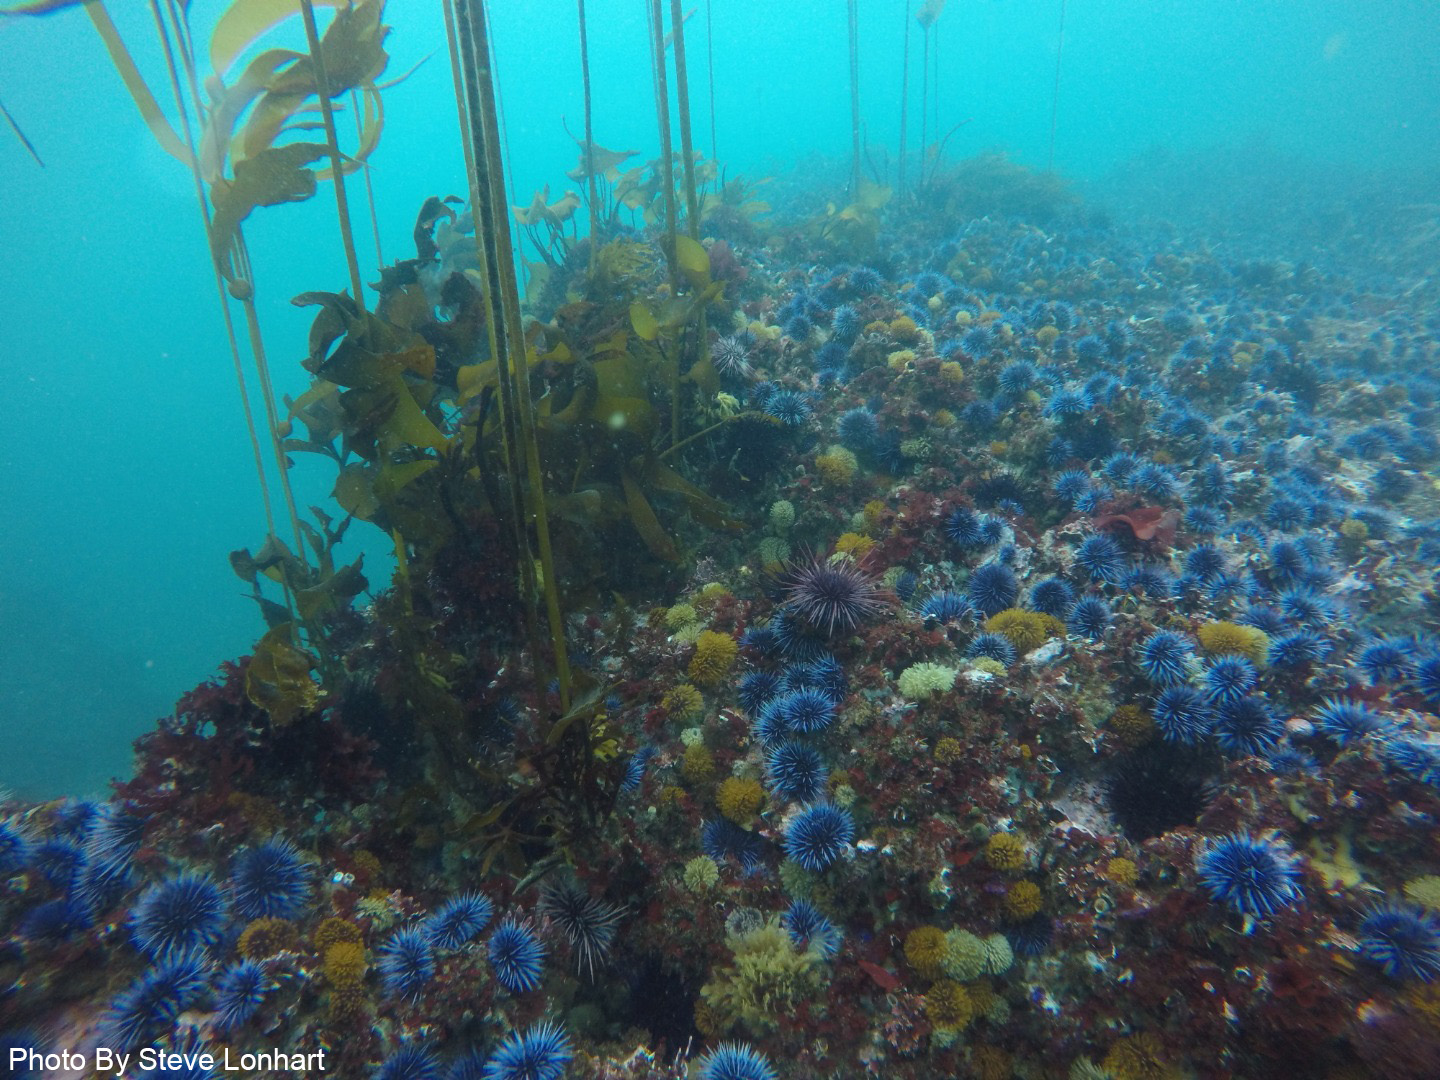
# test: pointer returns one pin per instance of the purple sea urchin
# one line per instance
(833, 595)
(588, 923)
(731, 358)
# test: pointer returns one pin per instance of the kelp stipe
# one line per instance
(904, 103)
(332, 143)
(1055, 90)
(667, 170)
(473, 61)
(853, 37)
(588, 153)
(689, 259)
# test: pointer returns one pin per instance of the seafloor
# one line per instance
(1032, 672)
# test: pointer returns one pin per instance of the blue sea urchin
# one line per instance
(1250, 875)
(187, 911)
(1100, 557)
(517, 956)
(756, 688)
(996, 647)
(15, 848)
(963, 527)
(806, 710)
(1089, 618)
(1403, 940)
(1181, 714)
(722, 839)
(1165, 657)
(796, 770)
(1032, 936)
(406, 962)
(1053, 597)
(239, 992)
(540, 1052)
(1229, 678)
(818, 835)
(178, 981)
(412, 1061)
(809, 928)
(270, 881)
(1387, 661)
(992, 588)
(944, 607)
(1247, 725)
(1348, 721)
(459, 919)
(736, 1061)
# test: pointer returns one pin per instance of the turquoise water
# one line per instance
(127, 475)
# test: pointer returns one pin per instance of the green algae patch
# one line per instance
(767, 978)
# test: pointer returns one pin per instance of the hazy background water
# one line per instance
(125, 474)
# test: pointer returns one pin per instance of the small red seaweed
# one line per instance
(1144, 523)
(885, 979)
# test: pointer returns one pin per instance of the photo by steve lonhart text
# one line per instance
(155, 1059)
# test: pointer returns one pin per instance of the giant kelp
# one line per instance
(453, 429)
(416, 434)
(247, 146)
